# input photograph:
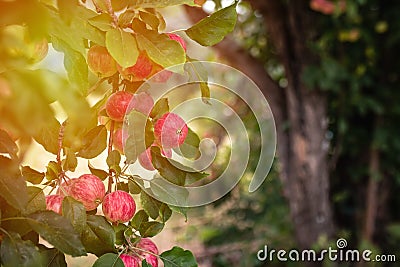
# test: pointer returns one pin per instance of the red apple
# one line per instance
(139, 71)
(54, 203)
(170, 130)
(177, 38)
(159, 74)
(117, 105)
(101, 62)
(119, 206)
(64, 187)
(145, 159)
(89, 190)
(148, 245)
(142, 102)
(130, 260)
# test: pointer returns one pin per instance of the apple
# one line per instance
(148, 245)
(177, 38)
(100, 62)
(139, 71)
(119, 207)
(130, 260)
(89, 190)
(170, 130)
(159, 74)
(142, 102)
(54, 203)
(117, 105)
(64, 187)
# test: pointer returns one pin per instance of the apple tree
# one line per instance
(123, 43)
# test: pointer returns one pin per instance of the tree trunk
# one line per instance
(302, 147)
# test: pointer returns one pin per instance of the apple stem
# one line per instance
(60, 141)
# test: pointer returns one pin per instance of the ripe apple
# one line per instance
(170, 130)
(117, 105)
(159, 74)
(177, 38)
(139, 71)
(142, 102)
(89, 190)
(148, 245)
(130, 260)
(100, 62)
(119, 207)
(54, 203)
(145, 159)
(63, 189)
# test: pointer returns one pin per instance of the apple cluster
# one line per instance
(170, 130)
(118, 207)
(101, 63)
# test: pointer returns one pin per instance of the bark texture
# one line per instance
(300, 114)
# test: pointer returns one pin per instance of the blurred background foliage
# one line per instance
(357, 68)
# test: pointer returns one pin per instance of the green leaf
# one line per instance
(48, 136)
(71, 162)
(173, 171)
(80, 24)
(94, 142)
(52, 257)
(67, 9)
(150, 205)
(32, 175)
(212, 29)
(7, 145)
(180, 210)
(165, 212)
(98, 172)
(102, 22)
(139, 219)
(168, 192)
(77, 69)
(134, 188)
(123, 186)
(98, 236)
(150, 229)
(101, 5)
(37, 200)
(113, 159)
(150, 19)
(17, 252)
(58, 231)
(126, 18)
(12, 185)
(190, 147)
(135, 143)
(161, 49)
(160, 108)
(122, 47)
(145, 264)
(119, 230)
(53, 171)
(109, 260)
(75, 212)
(198, 73)
(178, 257)
(159, 3)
